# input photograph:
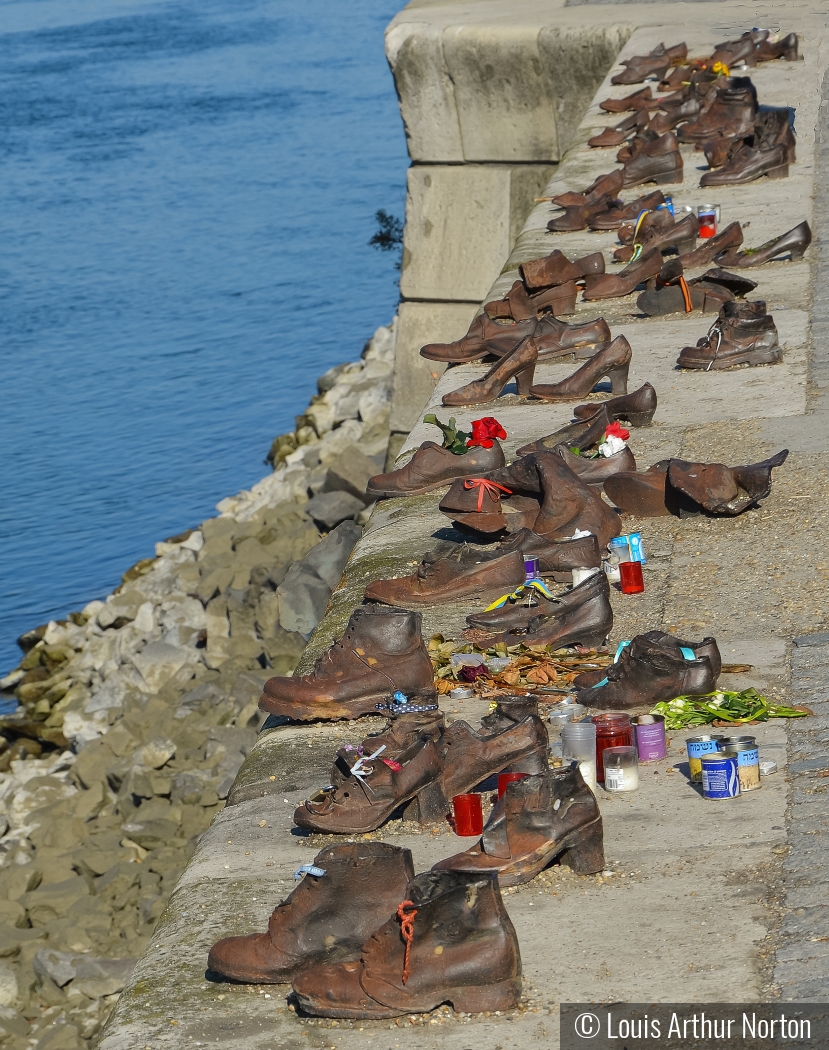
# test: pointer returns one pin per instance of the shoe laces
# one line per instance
(484, 485)
(715, 330)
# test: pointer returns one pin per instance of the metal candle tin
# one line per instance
(720, 776)
(748, 765)
(731, 741)
(650, 739)
(698, 746)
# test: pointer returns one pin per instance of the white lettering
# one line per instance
(673, 1028)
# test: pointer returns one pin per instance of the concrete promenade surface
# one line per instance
(705, 902)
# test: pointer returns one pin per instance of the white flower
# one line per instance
(611, 446)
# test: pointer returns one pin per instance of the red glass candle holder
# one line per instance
(469, 816)
(630, 577)
(508, 778)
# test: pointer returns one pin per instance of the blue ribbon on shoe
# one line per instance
(308, 869)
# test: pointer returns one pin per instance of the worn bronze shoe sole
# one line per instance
(750, 357)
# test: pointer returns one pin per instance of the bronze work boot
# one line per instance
(707, 647)
(731, 112)
(346, 894)
(432, 466)
(484, 337)
(646, 674)
(587, 619)
(540, 492)
(465, 573)
(536, 820)
(519, 613)
(470, 757)
(450, 942)
(742, 334)
(637, 408)
(508, 711)
(374, 788)
(381, 652)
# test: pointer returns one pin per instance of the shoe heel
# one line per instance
(640, 419)
(429, 806)
(797, 253)
(586, 855)
(790, 54)
(479, 999)
(524, 380)
(618, 377)
(532, 764)
(779, 173)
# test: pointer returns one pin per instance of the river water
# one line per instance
(186, 194)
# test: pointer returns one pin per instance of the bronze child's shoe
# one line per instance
(518, 365)
(451, 941)
(375, 788)
(348, 891)
(614, 362)
(536, 820)
(432, 466)
(381, 652)
(637, 408)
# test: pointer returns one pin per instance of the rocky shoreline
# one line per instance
(135, 713)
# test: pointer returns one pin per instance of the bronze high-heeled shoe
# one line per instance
(613, 285)
(614, 362)
(518, 365)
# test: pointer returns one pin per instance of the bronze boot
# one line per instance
(432, 466)
(374, 788)
(451, 941)
(743, 334)
(536, 820)
(351, 890)
(381, 652)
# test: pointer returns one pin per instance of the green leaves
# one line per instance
(723, 706)
(454, 440)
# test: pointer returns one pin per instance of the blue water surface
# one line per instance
(186, 194)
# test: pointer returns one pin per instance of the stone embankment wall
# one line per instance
(136, 713)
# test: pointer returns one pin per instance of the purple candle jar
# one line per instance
(650, 738)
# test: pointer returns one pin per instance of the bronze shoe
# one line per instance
(680, 235)
(602, 186)
(469, 758)
(519, 613)
(615, 285)
(637, 100)
(509, 711)
(597, 470)
(432, 466)
(707, 647)
(326, 918)
(787, 48)
(536, 820)
(556, 269)
(615, 136)
(620, 213)
(637, 408)
(556, 558)
(659, 161)
(555, 338)
(587, 621)
(577, 216)
(794, 244)
(400, 971)
(646, 66)
(748, 165)
(582, 434)
(381, 652)
(374, 790)
(407, 723)
(713, 247)
(466, 573)
(742, 334)
(484, 337)
(614, 362)
(518, 365)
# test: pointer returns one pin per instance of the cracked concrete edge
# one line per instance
(803, 930)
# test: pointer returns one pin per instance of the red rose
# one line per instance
(617, 430)
(484, 431)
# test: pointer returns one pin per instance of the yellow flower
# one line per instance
(720, 67)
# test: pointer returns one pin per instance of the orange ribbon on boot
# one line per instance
(484, 485)
(407, 931)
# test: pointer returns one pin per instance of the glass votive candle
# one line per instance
(578, 744)
(580, 575)
(468, 814)
(508, 778)
(621, 769)
(709, 217)
(630, 577)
